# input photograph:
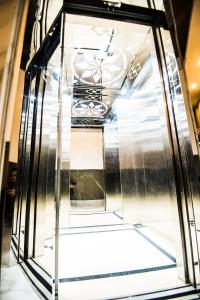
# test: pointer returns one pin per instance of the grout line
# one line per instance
(116, 274)
(93, 226)
(121, 218)
(92, 213)
(136, 230)
(157, 246)
(98, 231)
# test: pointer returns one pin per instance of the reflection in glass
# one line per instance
(178, 96)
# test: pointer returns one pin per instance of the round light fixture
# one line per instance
(96, 67)
(89, 108)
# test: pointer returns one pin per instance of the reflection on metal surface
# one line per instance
(111, 165)
(46, 173)
(189, 163)
(25, 165)
(33, 183)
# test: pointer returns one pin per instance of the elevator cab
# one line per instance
(108, 188)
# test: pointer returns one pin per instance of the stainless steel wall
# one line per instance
(137, 139)
(45, 164)
(44, 222)
(32, 195)
(111, 166)
(146, 170)
(25, 166)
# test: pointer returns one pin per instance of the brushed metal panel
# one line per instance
(33, 187)
(21, 150)
(26, 164)
(44, 211)
(37, 228)
(111, 166)
(148, 189)
(65, 137)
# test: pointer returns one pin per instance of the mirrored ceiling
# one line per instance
(102, 57)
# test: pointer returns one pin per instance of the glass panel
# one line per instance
(22, 144)
(52, 10)
(180, 108)
(38, 167)
(45, 199)
(112, 87)
(45, 15)
(159, 4)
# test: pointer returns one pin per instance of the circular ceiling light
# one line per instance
(97, 67)
(89, 108)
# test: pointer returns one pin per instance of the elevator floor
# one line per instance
(102, 258)
(14, 284)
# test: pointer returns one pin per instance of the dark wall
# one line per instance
(182, 10)
(28, 33)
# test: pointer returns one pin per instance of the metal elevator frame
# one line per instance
(126, 13)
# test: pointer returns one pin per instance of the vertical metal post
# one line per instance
(58, 162)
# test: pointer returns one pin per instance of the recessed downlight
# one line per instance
(193, 86)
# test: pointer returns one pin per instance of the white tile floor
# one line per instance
(88, 254)
(94, 219)
(15, 285)
(111, 247)
(118, 287)
(90, 251)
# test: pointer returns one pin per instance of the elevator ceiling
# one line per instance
(102, 58)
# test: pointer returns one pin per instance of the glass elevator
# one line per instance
(107, 187)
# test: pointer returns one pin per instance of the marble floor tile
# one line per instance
(15, 285)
